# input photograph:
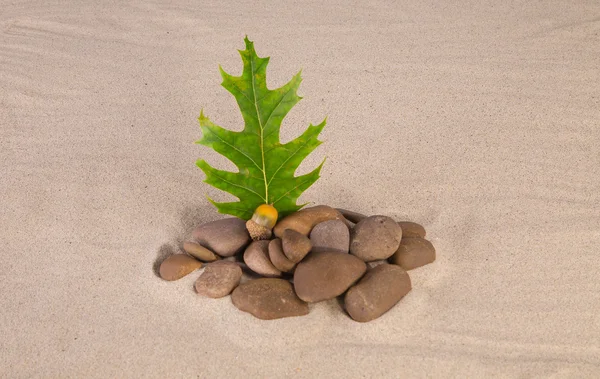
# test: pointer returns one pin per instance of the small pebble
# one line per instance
(225, 237)
(377, 292)
(411, 229)
(305, 219)
(199, 252)
(295, 245)
(413, 253)
(268, 299)
(177, 266)
(325, 275)
(375, 237)
(218, 279)
(257, 259)
(332, 235)
(278, 258)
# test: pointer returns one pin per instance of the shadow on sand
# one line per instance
(190, 217)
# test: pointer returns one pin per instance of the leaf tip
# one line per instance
(211, 200)
(249, 44)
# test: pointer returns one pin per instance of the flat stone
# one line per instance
(257, 259)
(199, 252)
(412, 229)
(305, 219)
(413, 253)
(278, 258)
(332, 235)
(225, 237)
(177, 266)
(325, 275)
(268, 299)
(377, 292)
(295, 245)
(218, 279)
(375, 237)
(351, 216)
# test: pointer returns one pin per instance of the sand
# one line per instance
(478, 119)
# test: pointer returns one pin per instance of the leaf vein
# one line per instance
(235, 148)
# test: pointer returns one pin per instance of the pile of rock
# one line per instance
(316, 254)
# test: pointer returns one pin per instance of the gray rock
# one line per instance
(225, 237)
(218, 279)
(325, 275)
(257, 259)
(375, 237)
(332, 235)
(268, 299)
(377, 292)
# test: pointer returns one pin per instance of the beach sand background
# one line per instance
(478, 119)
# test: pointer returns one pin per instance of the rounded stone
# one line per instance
(177, 266)
(412, 229)
(278, 258)
(295, 245)
(332, 235)
(199, 252)
(305, 219)
(325, 275)
(218, 279)
(375, 237)
(257, 259)
(268, 299)
(225, 237)
(377, 292)
(413, 253)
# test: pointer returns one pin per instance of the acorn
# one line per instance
(262, 222)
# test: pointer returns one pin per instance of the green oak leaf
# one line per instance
(266, 167)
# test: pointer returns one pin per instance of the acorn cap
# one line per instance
(257, 231)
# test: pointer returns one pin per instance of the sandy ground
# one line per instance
(478, 119)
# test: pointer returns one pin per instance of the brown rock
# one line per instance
(268, 299)
(278, 258)
(377, 292)
(295, 245)
(376, 263)
(199, 252)
(351, 216)
(325, 275)
(332, 235)
(257, 259)
(375, 237)
(411, 229)
(218, 279)
(413, 253)
(177, 266)
(305, 219)
(225, 237)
